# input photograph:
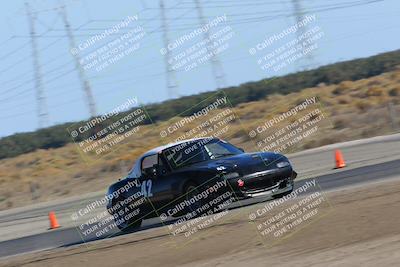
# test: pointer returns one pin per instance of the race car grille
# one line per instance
(265, 179)
(261, 182)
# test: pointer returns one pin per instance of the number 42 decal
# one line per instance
(146, 188)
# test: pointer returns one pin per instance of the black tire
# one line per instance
(127, 225)
(283, 194)
(131, 226)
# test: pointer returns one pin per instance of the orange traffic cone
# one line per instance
(53, 220)
(339, 159)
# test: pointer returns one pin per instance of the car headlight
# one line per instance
(282, 164)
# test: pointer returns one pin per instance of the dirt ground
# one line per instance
(361, 228)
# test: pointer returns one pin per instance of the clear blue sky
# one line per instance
(352, 32)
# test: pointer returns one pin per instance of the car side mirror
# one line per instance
(151, 172)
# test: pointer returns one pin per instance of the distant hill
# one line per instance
(57, 136)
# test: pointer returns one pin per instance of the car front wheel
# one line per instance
(126, 222)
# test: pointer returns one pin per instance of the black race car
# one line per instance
(191, 175)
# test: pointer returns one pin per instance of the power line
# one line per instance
(273, 15)
(216, 66)
(300, 15)
(40, 96)
(85, 83)
(26, 91)
(172, 85)
(22, 60)
(180, 18)
(151, 76)
(243, 22)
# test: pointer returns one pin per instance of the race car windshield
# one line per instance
(193, 152)
(219, 149)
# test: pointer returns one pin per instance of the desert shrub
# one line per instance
(9, 204)
(343, 100)
(394, 91)
(374, 91)
(363, 105)
(321, 142)
(373, 82)
(339, 123)
(341, 88)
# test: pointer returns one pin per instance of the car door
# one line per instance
(156, 188)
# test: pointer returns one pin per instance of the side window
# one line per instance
(135, 171)
(149, 161)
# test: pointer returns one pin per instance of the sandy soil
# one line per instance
(361, 228)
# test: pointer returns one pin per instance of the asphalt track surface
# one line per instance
(63, 237)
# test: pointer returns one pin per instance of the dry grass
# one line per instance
(354, 110)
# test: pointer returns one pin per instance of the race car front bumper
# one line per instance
(279, 188)
(266, 183)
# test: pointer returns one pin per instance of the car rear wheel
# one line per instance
(129, 226)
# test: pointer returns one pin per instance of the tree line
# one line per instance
(57, 136)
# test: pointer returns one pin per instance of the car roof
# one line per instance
(161, 148)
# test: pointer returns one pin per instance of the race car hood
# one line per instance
(244, 163)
